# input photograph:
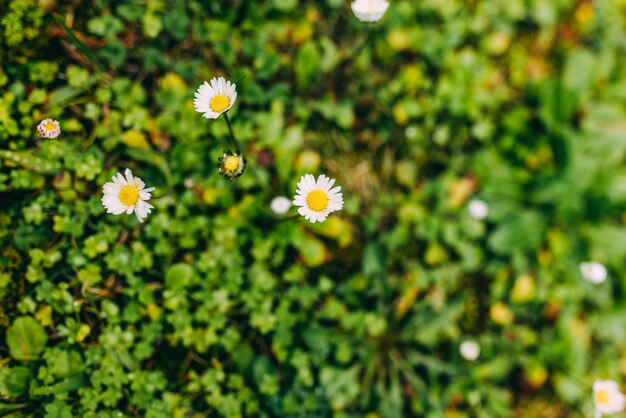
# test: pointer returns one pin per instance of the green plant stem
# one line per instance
(232, 135)
(357, 50)
(288, 217)
(9, 409)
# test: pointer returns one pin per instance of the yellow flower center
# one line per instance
(219, 103)
(317, 200)
(602, 396)
(129, 195)
(231, 163)
(50, 126)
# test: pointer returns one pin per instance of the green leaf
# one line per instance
(176, 23)
(311, 250)
(152, 25)
(114, 52)
(607, 241)
(63, 95)
(578, 74)
(520, 232)
(14, 381)
(179, 276)
(66, 364)
(67, 385)
(153, 158)
(8, 408)
(330, 54)
(26, 338)
(373, 259)
(307, 64)
(285, 5)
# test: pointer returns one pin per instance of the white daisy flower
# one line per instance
(478, 209)
(607, 397)
(593, 271)
(127, 195)
(280, 205)
(232, 164)
(214, 98)
(49, 128)
(316, 198)
(369, 11)
(470, 350)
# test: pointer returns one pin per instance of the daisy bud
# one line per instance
(232, 164)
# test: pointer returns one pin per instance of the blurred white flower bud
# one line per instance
(593, 271)
(478, 209)
(470, 350)
(280, 205)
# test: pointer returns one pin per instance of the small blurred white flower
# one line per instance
(49, 128)
(317, 198)
(127, 195)
(593, 271)
(214, 98)
(369, 11)
(470, 350)
(189, 183)
(478, 209)
(280, 205)
(607, 397)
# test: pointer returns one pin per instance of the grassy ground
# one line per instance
(216, 306)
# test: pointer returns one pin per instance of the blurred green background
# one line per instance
(217, 307)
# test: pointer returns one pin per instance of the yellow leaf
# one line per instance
(399, 39)
(83, 331)
(135, 139)
(153, 310)
(460, 190)
(501, 314)
(44, 315)
(523, 289)
(172, 81)
(308, 161)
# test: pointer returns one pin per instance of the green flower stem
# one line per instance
(232, 135)
(356, 52)
(360, 47)
(288, 217)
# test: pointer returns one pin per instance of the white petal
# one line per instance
(111, 189)
(299, 201)
(334, 191)
(310, 181)
(322, 182)
(129, 176)
(211, 115)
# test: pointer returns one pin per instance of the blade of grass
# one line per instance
(8, 409)
(81, 46)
